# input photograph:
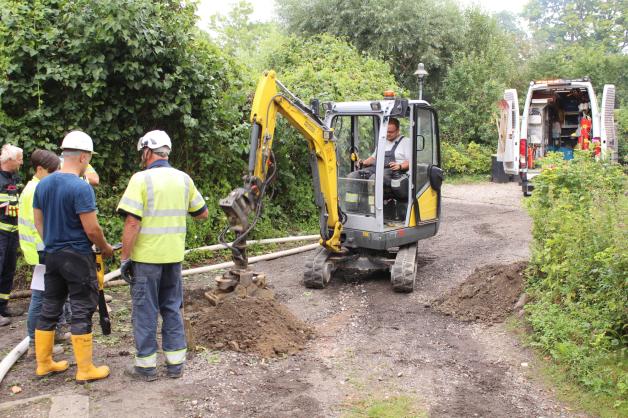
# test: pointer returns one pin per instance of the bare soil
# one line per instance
(252, 325)
(488, 295)
(369, 342)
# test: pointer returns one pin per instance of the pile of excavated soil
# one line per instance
(254, 325)
(488, 295)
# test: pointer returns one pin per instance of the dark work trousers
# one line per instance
(69, 273)
(8, 257)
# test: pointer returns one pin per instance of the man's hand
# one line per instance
(126, 267)
(107, 252)
(394, 166)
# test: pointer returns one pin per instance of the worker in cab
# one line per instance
(396, 160)
(11, 159)
(64, 209)
(397, 154)
(155, 205)
(44, 163)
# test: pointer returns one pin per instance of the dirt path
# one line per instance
(370, 341)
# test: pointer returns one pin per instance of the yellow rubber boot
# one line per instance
(86, 371)
(44, 340)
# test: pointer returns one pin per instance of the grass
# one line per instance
(394, 407)
(554, 375)
(212, 357)
(601, 405)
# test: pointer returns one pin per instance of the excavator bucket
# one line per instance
(239, 283)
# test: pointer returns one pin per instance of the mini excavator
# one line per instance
(365, 225)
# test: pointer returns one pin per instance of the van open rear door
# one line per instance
(507, 148)
(608, 136)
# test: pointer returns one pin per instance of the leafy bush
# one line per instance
(471, 159)
(621, 116)
(578, 270)
(116, 70)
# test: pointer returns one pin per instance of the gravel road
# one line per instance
(371, 343)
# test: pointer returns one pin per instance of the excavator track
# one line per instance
(318, 270)
(403, 272)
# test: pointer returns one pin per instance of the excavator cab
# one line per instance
(385, 217)
(368, 221)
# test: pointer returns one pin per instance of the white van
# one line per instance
(552, 120)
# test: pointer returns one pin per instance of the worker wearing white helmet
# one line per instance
(64, 206)
(155, 205)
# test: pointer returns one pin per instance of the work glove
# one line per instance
(126, 270)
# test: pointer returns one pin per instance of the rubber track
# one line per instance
(313, 277)
(402, 273)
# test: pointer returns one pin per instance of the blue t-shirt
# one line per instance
(62, 197)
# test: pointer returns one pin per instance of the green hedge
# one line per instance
(471, 159)
(579, 270)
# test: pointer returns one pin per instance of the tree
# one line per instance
(580, 22)
(487, 64)
(402, 33)
(116, 70)
(249, 42)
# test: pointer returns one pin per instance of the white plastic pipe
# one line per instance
(10, 359)
(116, 273)
(259, 241)
(251, 260)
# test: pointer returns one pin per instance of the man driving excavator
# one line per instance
(396, 159)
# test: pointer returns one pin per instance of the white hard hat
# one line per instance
(154, 140)
(78, 140)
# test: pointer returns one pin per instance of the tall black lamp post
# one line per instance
(421, 74)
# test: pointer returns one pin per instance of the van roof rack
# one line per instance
(561, 81)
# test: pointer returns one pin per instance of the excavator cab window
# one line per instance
(356, 138)
(396, 193)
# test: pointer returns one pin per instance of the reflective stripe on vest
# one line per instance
(30, 241)
(161, 198)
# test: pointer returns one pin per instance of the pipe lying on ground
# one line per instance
(228, 264)
(116, 273)
(10, 359)
(21, 348)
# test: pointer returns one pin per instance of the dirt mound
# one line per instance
(254, 325)
(487, 295)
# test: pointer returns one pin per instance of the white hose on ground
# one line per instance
(21, 348)
(252, 260)
(116, 273)
(10, 359)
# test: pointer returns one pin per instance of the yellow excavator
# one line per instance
(367, 224)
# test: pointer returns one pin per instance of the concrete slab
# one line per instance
(69, 405)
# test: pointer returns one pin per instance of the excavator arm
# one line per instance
(244, 203)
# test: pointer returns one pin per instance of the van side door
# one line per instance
(608, 136)
(508, 145)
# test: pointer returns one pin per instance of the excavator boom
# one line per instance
(243, 205)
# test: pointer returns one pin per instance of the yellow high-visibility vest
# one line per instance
(30, 241)
(161, 197)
